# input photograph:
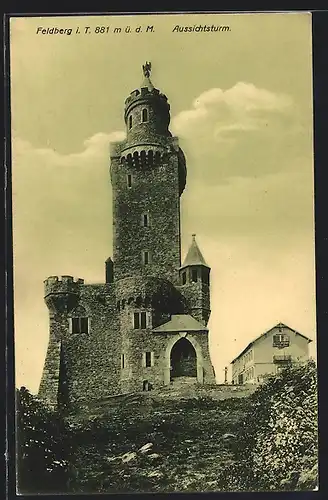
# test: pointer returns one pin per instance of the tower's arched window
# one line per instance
(130, 121)
(145, 115)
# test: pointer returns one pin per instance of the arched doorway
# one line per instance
(183, 359)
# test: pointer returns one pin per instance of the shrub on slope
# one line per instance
(41, 456)
(278, 439)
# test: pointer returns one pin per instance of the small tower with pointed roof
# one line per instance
(195, 282)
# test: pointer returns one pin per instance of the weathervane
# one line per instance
(147, 69)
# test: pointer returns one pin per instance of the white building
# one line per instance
(268, 353)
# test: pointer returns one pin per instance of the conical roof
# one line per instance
(194, 256)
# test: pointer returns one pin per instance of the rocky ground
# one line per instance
(175, 440)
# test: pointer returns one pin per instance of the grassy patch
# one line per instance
(187, 452)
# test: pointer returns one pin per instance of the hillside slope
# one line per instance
(180, 439)
(148, 446)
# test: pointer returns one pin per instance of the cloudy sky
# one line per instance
(241, 103)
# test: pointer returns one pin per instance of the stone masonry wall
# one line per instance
(48, 389)
(93, 359)
(154, 191)
(197, 296)
(82, 366)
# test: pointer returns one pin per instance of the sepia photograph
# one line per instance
(163, 253)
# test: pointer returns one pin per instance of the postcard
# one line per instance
(164, 258)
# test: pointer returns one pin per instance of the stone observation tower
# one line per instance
(146, 326)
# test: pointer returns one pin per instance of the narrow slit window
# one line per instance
(123, 361)
(75, 325)
(136, 320)
(145, 257)
(184, 278)
(130, 121)
(143, 319)
(129, 180)
(84, 325)
(148, 359)
(145, 220)
(145, 115)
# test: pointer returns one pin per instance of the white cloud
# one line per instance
(94, 147)
(227, 111)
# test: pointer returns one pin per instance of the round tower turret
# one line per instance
(61, 293)
(146, 113)
(195, 281)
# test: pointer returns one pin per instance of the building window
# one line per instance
(129, 180)
(145, 220)
(148, 359)
(184, 277)
(123, 361)
(205, 276)
(194, 275)
(145, 257)
(130, 121)
(145, 115)
(140, 320)
(80, 325)
(280, 340)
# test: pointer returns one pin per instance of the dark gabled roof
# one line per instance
(279, 325)
(194, 256)
(181, 323)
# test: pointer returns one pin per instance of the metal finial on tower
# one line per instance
(146, 69)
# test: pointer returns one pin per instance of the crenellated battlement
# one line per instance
(62, 284)
(144, 93)
(138, 156)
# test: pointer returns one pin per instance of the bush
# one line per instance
(41, 446)
(278, 441)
